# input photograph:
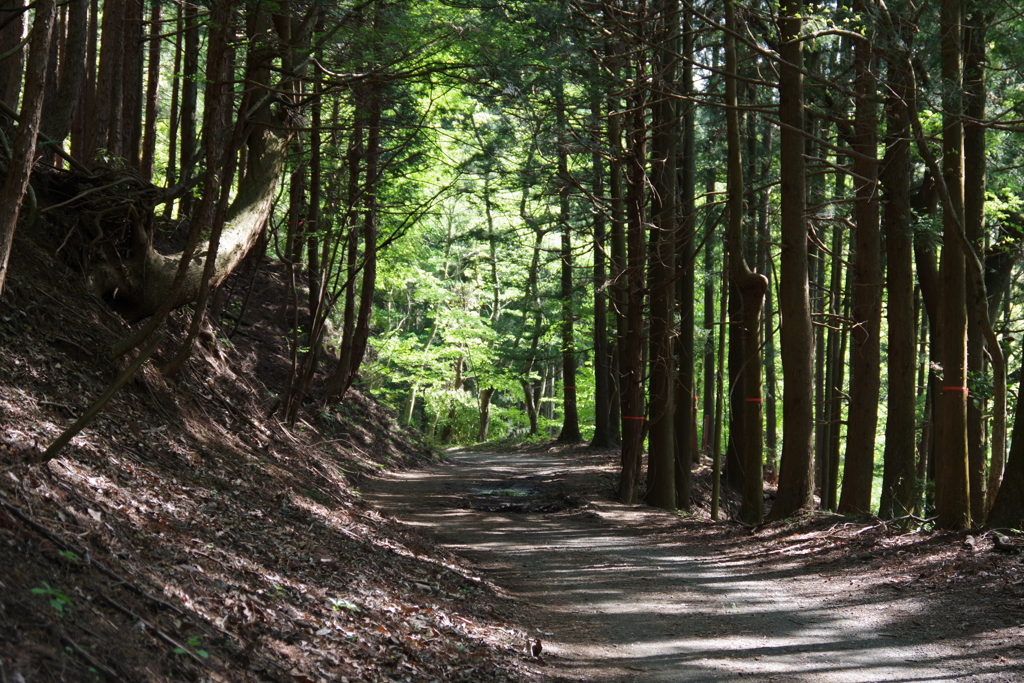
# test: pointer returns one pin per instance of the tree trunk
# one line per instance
(570, 432)
(952, 495)
(602, 360)
(23, 157)
(633, 409)
(485, 414)
(345, 373)
(12, 69)
(975, 37)
(1008, 508)
(751, 288)
(686, 391)
(858, 472)
(59, 112)
(796, 475)
(661, 471)
(898, 476)
(152, 94)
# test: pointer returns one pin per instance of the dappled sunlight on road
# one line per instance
(613, 604)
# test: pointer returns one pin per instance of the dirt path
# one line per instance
(618, 593)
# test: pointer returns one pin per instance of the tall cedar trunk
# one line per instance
(602, 361)
(129, 118)
(974, 226)
(632, 384)
(81, 119)
(867, 279)
(661, 474)
(751, 287)
(686, 393)
(152, 94)
(23, 156)
(107, 105)
(617, 212)
(768, 321)
(345, 373)
(12, 69)
(709, 370)
(835, 347)
(570, 432)
(924, 202)
(189, 98)
(796, 475)
(898, 476)
(952, 495)
(173, 122)
(58, 113)
(716, 441)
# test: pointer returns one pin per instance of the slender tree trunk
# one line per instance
(686, 390)
(129, 118)
(23, 157)
(342, 379)
(12, 69)
(189, 98)
(661, 473)
(867, 279)
(796, 475)
(485, 414)
(58, 113)
(633, 409)
(107, 105)
(603, 416)
(751, 287)
(616, 200)
(898, 477)
(952, 495)
(570, 432)
(975, 37)
(152, 93)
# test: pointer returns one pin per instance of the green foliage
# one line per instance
(58, 601)
(194, 643)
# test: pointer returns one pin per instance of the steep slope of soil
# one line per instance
(626, 593)
(188, 535)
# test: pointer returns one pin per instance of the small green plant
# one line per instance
(341, 603)
(70, 556)
(193, 643)
(58, 600)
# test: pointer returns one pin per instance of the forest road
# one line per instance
(621, 593)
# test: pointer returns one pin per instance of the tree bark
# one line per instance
(602, 360)
(661, 471)
(796, 475)
(570, 432)
(858, 471)
(952, 495)
(686, 394)
(751, 288)
(898, 476)
(23, 157)
(632, 386)
(59, 112)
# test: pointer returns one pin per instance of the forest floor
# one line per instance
(619, 593)
(188, 534)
